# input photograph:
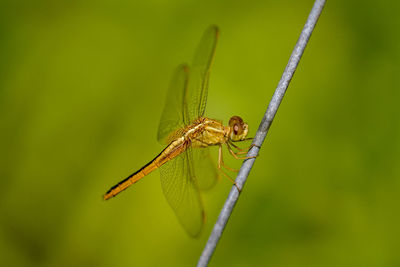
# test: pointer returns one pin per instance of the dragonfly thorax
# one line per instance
(207, 132)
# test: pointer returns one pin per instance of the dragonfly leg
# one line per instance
(242, 150)
(230, 179)
(246, 139)
(235, 155)
(246, 150)
(222, 164)
(235, 146)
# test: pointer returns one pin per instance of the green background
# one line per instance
(82, 85)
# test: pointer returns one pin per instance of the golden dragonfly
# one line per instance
(185, 164)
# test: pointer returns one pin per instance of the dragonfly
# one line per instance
(185, 164)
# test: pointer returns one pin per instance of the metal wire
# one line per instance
(261, 133)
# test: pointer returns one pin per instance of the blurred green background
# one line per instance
(82, 85)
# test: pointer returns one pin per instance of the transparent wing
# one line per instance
(180, 189)
(186, 100)
(204, 168)
(172, 115)
(197, 90)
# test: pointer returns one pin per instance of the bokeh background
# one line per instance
(82, 85)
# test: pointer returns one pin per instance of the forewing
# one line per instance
(172, 115)
(199, 75)
(180, 189)
(205, 168)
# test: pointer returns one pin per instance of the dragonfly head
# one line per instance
(238, 128)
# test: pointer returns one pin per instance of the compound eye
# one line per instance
(236, 123)
(235, 120)
(236, 129)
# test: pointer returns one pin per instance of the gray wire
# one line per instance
(261, 133)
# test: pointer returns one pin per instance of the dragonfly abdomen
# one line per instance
(170, 152)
